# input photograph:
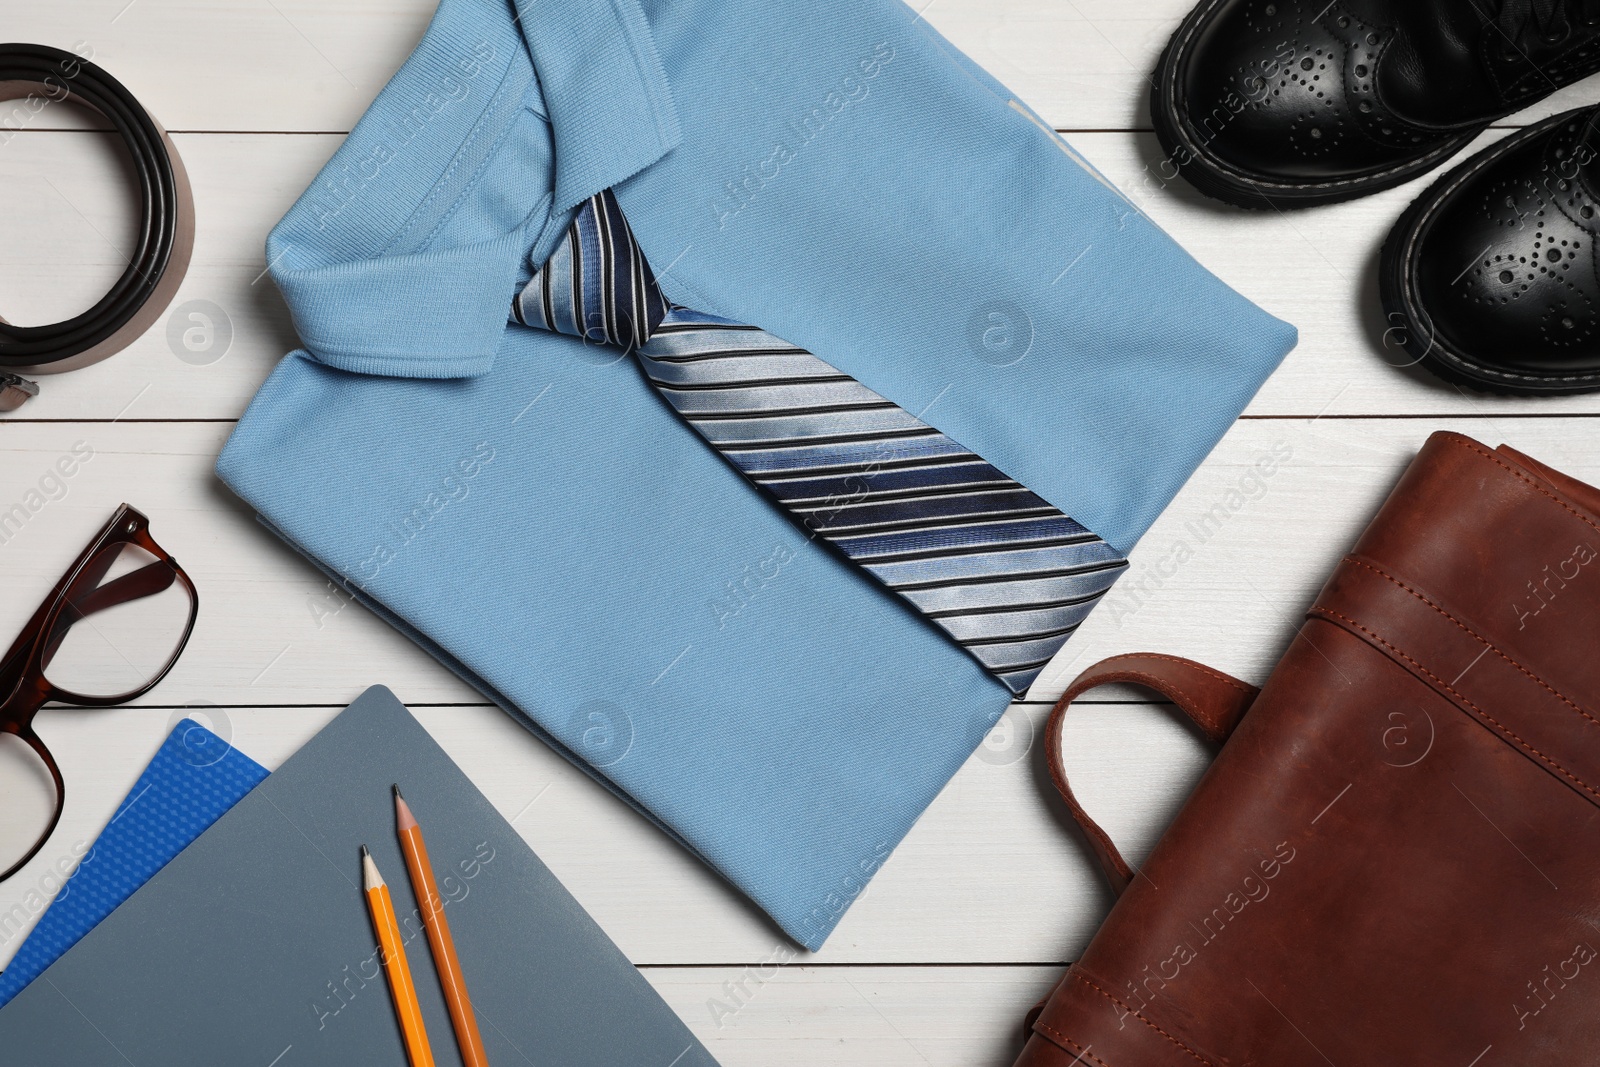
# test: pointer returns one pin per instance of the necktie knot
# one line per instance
(597, 285)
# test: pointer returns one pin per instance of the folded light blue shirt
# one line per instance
(527, 507)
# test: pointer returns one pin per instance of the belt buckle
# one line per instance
(15, 391)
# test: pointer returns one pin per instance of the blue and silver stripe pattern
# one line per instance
(1003, 572)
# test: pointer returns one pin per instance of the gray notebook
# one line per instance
(254, 945)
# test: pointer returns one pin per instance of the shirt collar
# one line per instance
(610, 106)
(398, 260)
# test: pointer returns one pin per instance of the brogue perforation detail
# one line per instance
(1364, 46)
(1284, 102)
(1322, 78)
(1264, 16)
(1524, 314)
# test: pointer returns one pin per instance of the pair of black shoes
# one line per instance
(1491, 278)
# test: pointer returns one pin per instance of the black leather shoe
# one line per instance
(1289, 102)
(1490, 278)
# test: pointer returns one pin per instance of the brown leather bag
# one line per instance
(1395, 858)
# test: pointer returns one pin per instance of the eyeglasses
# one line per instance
(112, 628)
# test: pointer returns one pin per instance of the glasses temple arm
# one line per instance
(152, 578)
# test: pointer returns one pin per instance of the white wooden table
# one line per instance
(976, 913)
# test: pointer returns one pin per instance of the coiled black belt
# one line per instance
(39, 76)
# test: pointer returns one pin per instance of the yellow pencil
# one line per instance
(394, 964)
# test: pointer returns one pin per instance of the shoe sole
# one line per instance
(1403, 309)
(1221, 181)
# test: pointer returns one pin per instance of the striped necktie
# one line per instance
(1004, 573)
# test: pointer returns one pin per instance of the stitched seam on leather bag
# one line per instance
(1127, 1008)
(1447, 687)
(1082, 1050)
(1198, 716)
(1157, 683)
(1128, 674)
(1473, 446)
(1218, 675)
(1469, 631)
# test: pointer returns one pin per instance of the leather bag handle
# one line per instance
(1214, 701)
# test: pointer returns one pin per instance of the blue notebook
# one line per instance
(194, 778)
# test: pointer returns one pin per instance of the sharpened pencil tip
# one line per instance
(370, 877)
(403, 819)
(399, 795)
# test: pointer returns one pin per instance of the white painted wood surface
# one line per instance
(972, 918)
